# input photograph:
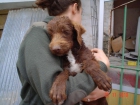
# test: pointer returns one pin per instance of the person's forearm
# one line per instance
(84, 85)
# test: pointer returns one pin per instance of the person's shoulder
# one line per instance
(39, 25)
(37, 31)
(35, 36)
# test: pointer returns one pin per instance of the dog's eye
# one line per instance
(66, 32)
(51, 31)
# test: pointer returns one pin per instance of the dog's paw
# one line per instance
(57, 93)
(73, 74)
(103, 81)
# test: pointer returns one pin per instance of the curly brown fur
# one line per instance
(66, 37)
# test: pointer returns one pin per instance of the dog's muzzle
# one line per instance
(56, 49)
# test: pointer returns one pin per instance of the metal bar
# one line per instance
(120, 67)
(124, 4)
(138, 62)
(110, 22)
(136, 88)
(94, 22)
(137, 75)
(93, 36)
(121, 81)
(124, 33)
(109, 40)
(100, 24)
(124, 36)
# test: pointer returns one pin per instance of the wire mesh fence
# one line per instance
(17, 23)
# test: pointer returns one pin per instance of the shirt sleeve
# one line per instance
(79, 91)
(42, 67)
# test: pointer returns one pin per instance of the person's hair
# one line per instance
(57, 7)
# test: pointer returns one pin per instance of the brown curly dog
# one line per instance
(66, 41)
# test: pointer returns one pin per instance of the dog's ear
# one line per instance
(80, 30)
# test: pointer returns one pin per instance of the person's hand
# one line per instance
(100, 56)
(96, 94)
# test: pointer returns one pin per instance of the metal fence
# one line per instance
(94, 22)
(17, 23)
(122, 67)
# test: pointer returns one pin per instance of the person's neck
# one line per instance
(66, 14)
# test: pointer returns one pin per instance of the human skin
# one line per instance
(73, 13)
(100, 56)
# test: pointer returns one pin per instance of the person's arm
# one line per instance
(100, 56)
(97, 93)
(76, 96)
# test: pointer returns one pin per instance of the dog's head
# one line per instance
(63, 32)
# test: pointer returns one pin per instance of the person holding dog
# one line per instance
(37, 66)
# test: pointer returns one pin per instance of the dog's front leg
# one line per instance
(58, 90)
(91, 67)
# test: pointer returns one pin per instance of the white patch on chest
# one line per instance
(74, 67)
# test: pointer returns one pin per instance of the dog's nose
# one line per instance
(56, 48)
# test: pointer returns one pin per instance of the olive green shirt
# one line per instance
(37, 68)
